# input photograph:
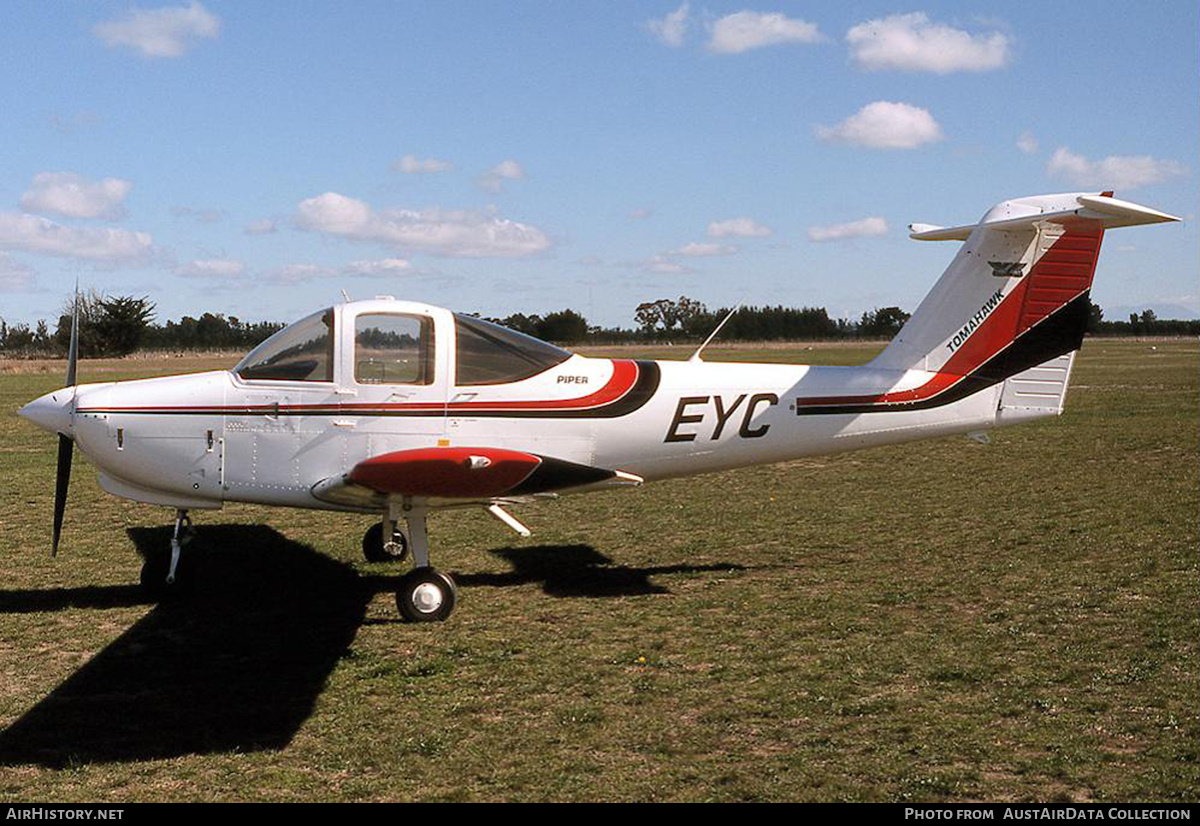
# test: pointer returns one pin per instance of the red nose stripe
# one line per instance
(445, 471)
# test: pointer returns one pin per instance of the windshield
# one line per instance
(300, 352)
(487, 353)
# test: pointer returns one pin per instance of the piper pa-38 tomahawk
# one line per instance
(397, 408)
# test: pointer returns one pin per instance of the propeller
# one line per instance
(66, 445)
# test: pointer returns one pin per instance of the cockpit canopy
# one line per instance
(299, 352)
(486, 353)
(399, 348)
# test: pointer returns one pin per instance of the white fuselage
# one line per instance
(202, 439)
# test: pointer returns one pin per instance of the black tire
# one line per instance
(426, 595)
(374, 550)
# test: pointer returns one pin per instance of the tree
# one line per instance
(652, 315)
(89, 313)
(1095, 316)
(885, 321)
(122, 322)
(565, 326)
(665, 314)
(527, 324)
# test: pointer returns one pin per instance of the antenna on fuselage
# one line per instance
(696, 355)
(345, 295)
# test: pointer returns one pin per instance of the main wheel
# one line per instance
(376, 550)
(426, 595)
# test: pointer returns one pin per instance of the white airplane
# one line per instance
(397, 408)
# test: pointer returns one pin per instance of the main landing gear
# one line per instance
(425, 594)
(164, 576)
(376, 550)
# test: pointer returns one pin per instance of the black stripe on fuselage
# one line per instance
(1057, 334)
(644, 387)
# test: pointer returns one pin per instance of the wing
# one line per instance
(445, 476)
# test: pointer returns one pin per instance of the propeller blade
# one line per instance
(62, 479)
(73, 348)
(66, 445)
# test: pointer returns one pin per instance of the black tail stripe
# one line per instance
(1057, 334)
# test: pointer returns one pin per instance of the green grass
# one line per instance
(937, 621)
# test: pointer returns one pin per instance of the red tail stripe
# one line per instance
(1062, 273)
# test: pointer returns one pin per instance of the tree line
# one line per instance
(119, 325)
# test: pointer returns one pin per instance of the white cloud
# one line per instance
(698, 250)
(910, 43)
(885, 125)
(665, 266)
(263, 226)
(737, 228)
(866, 228)
(507, 170)
(384, 266)
(1027, 143)
(166, 32)
(1112, 172)
(747, 30)
(412, 165)
(34, 234)
(439, 232)
(672, 29)
(297, 273)
(66, 193)
(15, 277)
(213, 268)
(199, 214)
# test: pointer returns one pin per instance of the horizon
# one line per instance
(529, 157)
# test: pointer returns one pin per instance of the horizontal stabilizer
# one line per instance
(1102, 208)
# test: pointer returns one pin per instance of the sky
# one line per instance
(257, 159)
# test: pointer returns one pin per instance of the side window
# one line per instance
(487, 353)
(300, 352)
(393, 349)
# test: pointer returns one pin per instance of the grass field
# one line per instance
(938, 621)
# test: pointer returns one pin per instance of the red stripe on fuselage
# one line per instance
(624, 376)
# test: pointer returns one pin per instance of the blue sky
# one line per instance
(255, 159)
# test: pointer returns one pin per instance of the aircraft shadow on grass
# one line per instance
(238, 664)
(578, 571)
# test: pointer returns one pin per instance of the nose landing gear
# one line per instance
(164, 576)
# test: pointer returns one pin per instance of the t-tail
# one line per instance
(1010, 310)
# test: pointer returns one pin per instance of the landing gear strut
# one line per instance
(425, 594)
(161, 575)
(376, 550)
